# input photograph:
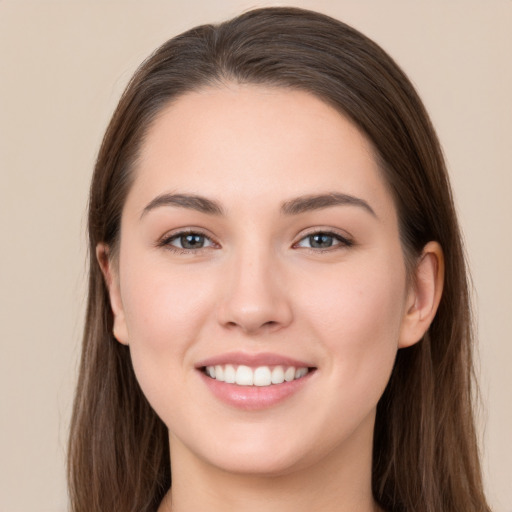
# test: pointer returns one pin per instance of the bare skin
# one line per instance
(259, 223)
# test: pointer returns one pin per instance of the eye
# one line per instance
(323, 240)
(187, 241)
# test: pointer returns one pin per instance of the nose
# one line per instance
(255, 298)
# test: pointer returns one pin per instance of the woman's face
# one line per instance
(258, 236)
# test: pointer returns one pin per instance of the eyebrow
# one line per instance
(294, 206)
(317, 202)
(190, 201)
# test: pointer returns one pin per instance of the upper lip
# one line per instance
(253, 360)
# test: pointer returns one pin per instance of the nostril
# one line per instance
(253, 327)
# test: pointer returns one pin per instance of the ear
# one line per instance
(424, 295)
(112, 281)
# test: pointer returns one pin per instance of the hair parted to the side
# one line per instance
(425, 449)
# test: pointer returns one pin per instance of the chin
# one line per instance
(245, 451)
(261, 463)
(258, 450)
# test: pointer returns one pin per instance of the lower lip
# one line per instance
(253, 398)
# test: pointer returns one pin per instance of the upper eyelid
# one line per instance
(344, 241)
(175, 233)
(165, 241)
(344, 235)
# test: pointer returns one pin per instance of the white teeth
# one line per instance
(289, 374)
(219, 372)
(229, 374)
(299, 372)
(278, 375)
(244, 376)
(261, 376)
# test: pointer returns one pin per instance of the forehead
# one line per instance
(255, 142)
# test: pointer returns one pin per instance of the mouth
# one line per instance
(253, 382)
(260, 376)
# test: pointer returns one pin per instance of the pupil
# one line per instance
(192, 241)
(320, 240)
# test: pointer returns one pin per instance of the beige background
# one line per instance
(63, 65)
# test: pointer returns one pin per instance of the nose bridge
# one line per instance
(254, 295)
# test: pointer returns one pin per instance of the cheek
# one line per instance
(162, 301)
(165, 312)
(358, 317)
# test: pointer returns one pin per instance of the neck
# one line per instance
(340, 481)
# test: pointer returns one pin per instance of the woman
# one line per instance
(278, 295)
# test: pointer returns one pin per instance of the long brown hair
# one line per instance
(425, 450)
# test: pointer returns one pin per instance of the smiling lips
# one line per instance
(254, 381)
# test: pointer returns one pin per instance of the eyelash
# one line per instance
(339, 242)
(166, 241)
